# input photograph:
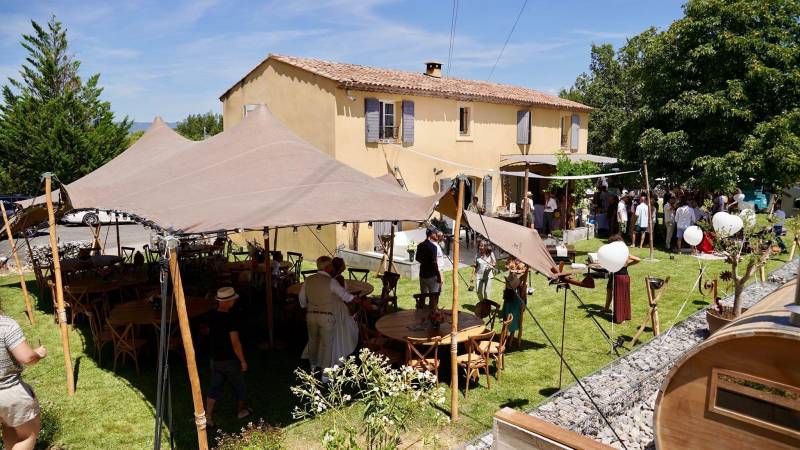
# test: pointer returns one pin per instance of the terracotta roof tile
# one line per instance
(376, 79)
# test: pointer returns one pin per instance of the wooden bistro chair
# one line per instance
(476, 359)
(388, 293)
(101, 335)
(358, 274)
(497, 350)
(427, 300)
(423, 362)
(488, 309)
(127, 254)
(376, 343)
(125, 344)
(307, 273)
(78, 301)
(296, 260)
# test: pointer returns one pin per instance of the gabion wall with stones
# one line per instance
(626, 389)
(44, 257)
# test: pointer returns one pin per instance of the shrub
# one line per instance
(260, 436)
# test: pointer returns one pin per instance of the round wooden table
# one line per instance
(414, 323)
(141, 312)
(357, 288)
(93, 262)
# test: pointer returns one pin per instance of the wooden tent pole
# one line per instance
(60, 311)
(268, 282)
(454, 310)
(22, 283)
(119, 243)
(649, 209)
(525, 199)
(188, 350)
(391, 248)
(275, 242)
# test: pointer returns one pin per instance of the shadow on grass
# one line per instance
(516, 403)
(547, 392)
(700, 302)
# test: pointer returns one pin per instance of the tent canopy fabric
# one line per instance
(522, 242)
(257, 174)
(552, 159)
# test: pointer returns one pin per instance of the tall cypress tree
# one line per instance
(51, 120)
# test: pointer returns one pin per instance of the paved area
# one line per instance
(131, 235)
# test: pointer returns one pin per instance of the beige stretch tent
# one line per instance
(257, 174)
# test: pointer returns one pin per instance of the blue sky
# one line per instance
(173, 58)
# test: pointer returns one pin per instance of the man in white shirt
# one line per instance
(642, 221)
(318, 294)
(780, 218)
(527, 209)
(622, 215)
(684, 218)
(550, 207)
(669, 220)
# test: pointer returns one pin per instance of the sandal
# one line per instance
(244, 413)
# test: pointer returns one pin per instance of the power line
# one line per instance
(508, 38)
(453, 21)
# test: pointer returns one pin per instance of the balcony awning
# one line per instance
(552, 159)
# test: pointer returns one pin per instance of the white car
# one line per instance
(91, 217)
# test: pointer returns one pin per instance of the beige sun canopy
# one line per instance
(257, 174)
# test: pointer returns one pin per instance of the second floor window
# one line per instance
(388, 122)
(565, 123)
(464, 120)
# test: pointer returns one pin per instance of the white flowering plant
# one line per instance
(391, 399)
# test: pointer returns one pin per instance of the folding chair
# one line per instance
(423, 362)
(358, 274)
(427, 300)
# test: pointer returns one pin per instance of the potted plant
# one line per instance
(412, 250)
(747, 247)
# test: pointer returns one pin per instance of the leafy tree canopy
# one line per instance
(713, 100)
(51, 120)
(200, 126)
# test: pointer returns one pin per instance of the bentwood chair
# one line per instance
(497, 350)
(358, 274)
(427, 300)
(427, 361)
(475, 359)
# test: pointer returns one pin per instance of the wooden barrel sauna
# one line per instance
(738, 389)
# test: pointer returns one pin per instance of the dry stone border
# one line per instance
(626, 389)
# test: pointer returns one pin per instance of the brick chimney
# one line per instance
(433, 69)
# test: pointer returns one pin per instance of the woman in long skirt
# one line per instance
(620, 282)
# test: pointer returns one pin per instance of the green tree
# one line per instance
(200, 126)
(133, 137)
(51, 120)
(711, 99)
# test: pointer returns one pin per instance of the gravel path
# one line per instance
(626, 389)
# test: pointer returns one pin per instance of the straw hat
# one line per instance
(226, 294)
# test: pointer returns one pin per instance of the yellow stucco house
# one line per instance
(422, 128)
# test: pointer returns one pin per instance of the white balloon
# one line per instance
(613, 256)
(748, 216)
(693, 235)
(726, 224)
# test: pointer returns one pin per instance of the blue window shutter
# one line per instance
(408, 122)
(372, 113)
(487, 194)
(523, 127)
(576, 127)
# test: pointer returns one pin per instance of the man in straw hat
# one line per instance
(227, 358)
(319, 295)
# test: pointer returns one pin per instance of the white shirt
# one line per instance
(336, 288)
(622, 213)
(551, 205)
(684, 216)
(642, 217)
(439, 257)
(669, 214)
(780, 217)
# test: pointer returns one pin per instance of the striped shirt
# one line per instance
(10, 336)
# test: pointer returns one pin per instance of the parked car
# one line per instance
(756, 197)
(91, 217)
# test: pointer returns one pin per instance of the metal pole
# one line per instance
(60, 311)
(563, 329)
(268, 282)
(454, 310)
(119, 243)
(649, 209)
(188, 350)
(22, 282)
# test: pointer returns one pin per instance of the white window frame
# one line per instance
(381, 121)
(247, 107)
(470, 110)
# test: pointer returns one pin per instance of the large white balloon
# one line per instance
(748, 216)
(613, 256)
(726, 224)
(693, 235)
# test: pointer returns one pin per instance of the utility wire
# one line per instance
(453, 21)
(508, 38)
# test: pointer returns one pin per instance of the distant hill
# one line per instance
(141, 126)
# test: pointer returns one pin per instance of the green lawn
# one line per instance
(116, 411)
